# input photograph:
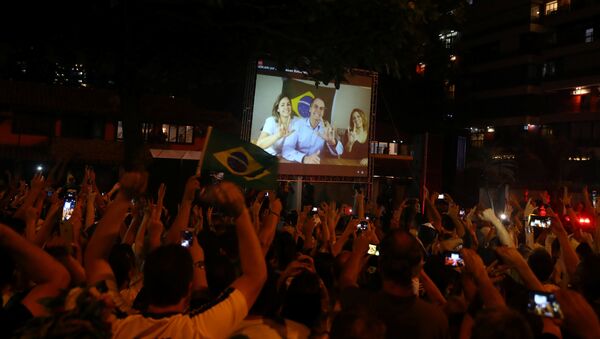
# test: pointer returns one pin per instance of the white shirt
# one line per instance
(217, 321)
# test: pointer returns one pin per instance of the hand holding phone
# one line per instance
(539, 221)
(362, 226)
(187, 238)
(544, 304)
(68, 206)
(454, 259)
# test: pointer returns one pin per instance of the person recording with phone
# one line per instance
(311, 136)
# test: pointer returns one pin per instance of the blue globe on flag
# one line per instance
(301, 104)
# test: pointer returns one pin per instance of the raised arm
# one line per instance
(569, 255)
(48, 274)
(183, 215)
(352, 267)
(266, 233)
(489, 215)
(254, 269)
(96, 255)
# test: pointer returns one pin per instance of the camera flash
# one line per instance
(503, 216)
(40, 168)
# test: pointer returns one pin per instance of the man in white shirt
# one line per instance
(168, 273)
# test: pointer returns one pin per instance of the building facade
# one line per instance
(531, 88)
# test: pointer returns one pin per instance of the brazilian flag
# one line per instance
(241, 162)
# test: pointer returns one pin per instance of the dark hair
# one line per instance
(497, 323)
(302, 301)
(167, 275)
(122, 261)
(541, 264)
(400, 256)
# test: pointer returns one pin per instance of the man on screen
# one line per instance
(312, 134)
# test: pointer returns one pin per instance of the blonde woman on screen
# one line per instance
(277, 127)
(356, 140)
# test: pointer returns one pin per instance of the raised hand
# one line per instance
(229, 196)
(284, 131)
(37, 183)
(529, 208)
(566, 198)
(132, 184)
(352, 137)
(329, 134)
(489, 215)
(191, 186)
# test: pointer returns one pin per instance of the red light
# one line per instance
(567, 219)
(584, 220)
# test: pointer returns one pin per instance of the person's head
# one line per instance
(282, 107)
(317, 110)
(400, 258)
(302, 300)
(497, 323)
(541, 264)
(358, 119)
(168, 274)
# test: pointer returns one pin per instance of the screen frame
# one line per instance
(322, 172)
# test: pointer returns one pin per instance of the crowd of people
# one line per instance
(227, 263)
(304, 140)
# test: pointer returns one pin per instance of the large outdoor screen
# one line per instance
(313, 130)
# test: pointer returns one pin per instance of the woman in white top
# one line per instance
(277, 127)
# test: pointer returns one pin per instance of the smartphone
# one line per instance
(454, 259)
(539, 221)
(68, 206)
(544, 304)
(373, 250)
(314, 211)
(440, 197)
(461, 212)
(187, 237)
(267, 194)
(362, 226)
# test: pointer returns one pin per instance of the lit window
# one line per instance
(448, 37)
(589, 34)
(551, 7)
(164, 133)
(120, 130)
(178, 134)
(535, 12)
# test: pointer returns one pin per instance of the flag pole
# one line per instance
(204, 147)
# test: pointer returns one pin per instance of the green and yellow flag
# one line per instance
(241, 162)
